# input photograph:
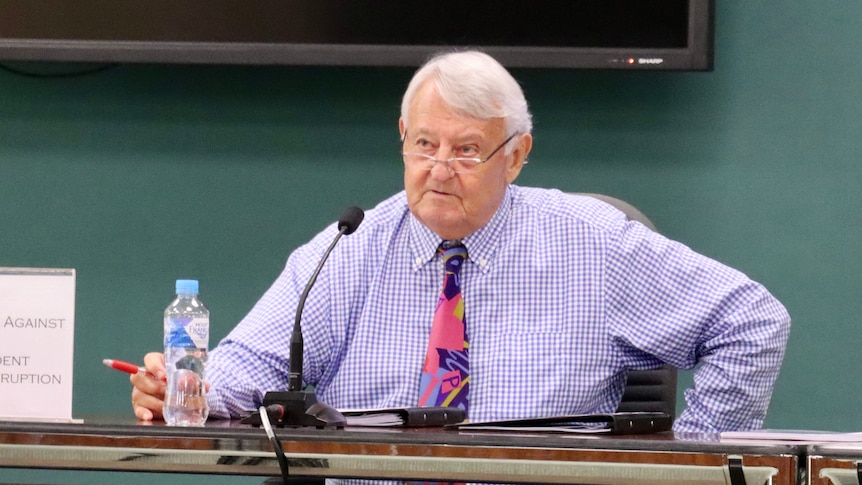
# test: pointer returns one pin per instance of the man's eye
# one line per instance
(468, 151)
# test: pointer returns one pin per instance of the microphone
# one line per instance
(298, 407)
(347, 224)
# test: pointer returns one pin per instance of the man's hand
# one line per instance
(148, 393)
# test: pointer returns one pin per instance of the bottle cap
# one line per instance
(187, 287)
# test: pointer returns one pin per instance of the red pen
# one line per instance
(127, 367)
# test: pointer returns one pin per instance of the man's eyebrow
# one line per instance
(477, 138)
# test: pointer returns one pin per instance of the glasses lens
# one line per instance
(418, 160)
(463, 165)
(427, 162)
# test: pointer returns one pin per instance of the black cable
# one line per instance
(737, 474)
(276, 444)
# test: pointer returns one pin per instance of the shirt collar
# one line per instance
(481, 245)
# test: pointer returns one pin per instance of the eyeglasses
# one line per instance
(456, 164)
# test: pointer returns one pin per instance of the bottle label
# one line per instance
(187, 332)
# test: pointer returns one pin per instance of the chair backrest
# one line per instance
(632, 212)
(651, 390)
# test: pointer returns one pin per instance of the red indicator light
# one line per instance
(630, 60)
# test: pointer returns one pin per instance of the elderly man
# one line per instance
(547, 298)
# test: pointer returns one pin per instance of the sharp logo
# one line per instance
(650, 60)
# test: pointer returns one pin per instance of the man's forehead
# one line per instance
(453, 125)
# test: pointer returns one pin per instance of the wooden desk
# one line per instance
(834, 463)
(378, 453)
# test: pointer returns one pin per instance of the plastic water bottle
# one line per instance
(187, 329)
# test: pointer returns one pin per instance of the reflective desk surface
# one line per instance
(427, 454)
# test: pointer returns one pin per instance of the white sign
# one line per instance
(37, 330)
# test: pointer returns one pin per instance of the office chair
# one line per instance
(631, 212)
(651, 390)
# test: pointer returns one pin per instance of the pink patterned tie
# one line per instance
(445, 375)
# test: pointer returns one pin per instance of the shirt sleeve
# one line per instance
(667, 302)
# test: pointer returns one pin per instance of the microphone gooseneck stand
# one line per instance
(297, 407)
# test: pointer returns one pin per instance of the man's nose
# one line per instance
(441, 166)
(441, 169)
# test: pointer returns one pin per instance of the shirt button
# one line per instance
(483, 262)
(418, 261)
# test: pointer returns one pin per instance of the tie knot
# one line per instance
(450, 243)
(454, 253)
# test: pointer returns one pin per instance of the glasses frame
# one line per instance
(448, 161)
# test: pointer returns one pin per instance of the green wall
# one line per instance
(139, 174)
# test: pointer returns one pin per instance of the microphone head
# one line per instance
(350, 219)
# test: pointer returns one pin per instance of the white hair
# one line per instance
(476, 85)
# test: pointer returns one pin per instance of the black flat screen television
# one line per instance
(585, 34)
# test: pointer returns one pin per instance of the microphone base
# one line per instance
(301, 409)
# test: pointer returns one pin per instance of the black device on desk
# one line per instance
(288, 408)
(613, 423)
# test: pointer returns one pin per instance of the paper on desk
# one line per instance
(803, 435)
(590, 428)
(409, 416)
(373, 417)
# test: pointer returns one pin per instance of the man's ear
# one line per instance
(401, 131)
(518, 157)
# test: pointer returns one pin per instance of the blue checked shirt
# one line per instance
(562, 294)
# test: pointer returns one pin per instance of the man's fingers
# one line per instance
(146, 406)
(143, 413)
(148, 392)
(154, 362)
(148, 384)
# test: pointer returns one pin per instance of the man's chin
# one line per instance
(446, 228)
